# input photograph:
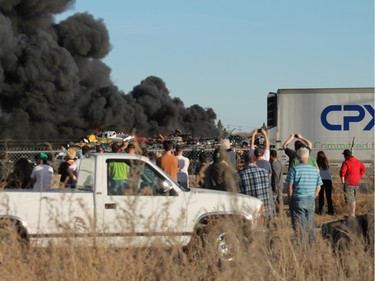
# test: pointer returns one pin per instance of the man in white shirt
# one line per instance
(42, 173)
(183, 166)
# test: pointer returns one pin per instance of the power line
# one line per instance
(242, 126)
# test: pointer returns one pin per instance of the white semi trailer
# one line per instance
(333, 119)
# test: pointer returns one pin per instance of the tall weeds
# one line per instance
(272, 255)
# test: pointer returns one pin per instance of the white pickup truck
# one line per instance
(152, 209)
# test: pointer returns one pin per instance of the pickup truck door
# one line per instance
(143, 204)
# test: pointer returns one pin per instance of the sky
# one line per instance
(228, 55)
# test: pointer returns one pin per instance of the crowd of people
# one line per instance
(258, 172)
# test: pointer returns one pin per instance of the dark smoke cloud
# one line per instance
(53, 84)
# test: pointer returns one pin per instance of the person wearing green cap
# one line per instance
(42, 173)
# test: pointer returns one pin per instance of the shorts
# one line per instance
(350, 192)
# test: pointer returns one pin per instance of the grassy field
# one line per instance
(280, 259)
(270, 256)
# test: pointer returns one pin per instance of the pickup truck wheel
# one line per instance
(223, 240)
(227, 246)
(11, 236)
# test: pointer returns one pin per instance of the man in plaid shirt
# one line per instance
(255, 181)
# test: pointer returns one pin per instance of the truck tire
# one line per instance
(13, 235)
(220, 241)
(225, 242)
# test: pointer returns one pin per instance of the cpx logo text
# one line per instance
(358, 113)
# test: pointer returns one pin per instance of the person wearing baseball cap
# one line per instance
(351, 172)
(42, 173)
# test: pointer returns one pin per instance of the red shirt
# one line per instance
(352, 170)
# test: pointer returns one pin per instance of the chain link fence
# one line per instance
(9, 157)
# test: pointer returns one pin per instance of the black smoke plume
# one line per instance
(53, 84)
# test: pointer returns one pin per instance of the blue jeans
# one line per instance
(302, 213)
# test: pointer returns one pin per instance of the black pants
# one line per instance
(327, 189)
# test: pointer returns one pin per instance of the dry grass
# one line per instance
(268, 257)
(272, 255)
(364, 202)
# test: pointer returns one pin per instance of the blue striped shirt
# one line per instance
(305, 178)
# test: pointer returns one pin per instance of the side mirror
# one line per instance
(166, 186)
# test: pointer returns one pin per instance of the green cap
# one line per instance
(43, 156)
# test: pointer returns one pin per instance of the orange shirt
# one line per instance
(169, 163)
